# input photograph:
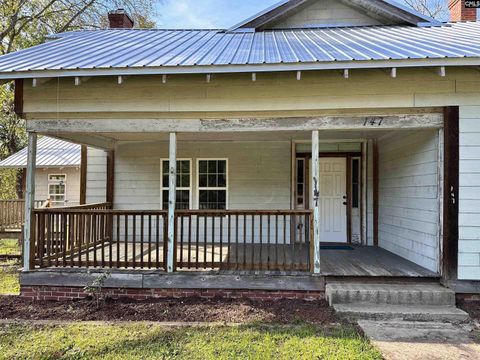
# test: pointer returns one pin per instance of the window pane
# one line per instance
(222, 180)
(212, 180)
(202, 167)
(222, 167)
(203, 181)
(183, 200)
(213, 199)
(212, 167)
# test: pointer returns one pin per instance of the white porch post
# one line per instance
(29, 199)
(316, 198)
(172, 195)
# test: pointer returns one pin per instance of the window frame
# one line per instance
(198, 188)
(190, 188)
(57, 182)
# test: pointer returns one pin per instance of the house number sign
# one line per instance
(373, 121)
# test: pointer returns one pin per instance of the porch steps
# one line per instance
(409, 302)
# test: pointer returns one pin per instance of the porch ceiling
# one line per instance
(107, 140)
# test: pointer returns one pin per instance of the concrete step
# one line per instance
(394, 294)
(400, 312)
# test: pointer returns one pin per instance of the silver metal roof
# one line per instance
(102, 52)
(50, 153)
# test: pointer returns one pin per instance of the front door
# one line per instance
(333, 191)
(333, 199)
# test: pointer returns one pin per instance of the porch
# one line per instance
(251, 202)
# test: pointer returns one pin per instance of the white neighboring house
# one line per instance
(58, 171)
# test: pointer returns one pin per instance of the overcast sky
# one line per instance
(212, 14)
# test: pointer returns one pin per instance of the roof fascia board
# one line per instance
(225, 69)
(374, 8)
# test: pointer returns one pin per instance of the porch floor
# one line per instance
(358, 262)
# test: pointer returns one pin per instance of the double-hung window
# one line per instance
(57, 189)
(212, 184)
(184, 184)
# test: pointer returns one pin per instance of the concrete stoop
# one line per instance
(408, 302)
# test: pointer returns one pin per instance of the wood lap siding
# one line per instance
(96, 176)
(469, 194)
(409, 197)
(259, 173)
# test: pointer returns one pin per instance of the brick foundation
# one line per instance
(54, 293)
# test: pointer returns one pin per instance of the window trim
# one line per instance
(50, 182)
(190, 188)
(198, 188)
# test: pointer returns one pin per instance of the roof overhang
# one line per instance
(235, 69)
(377, 9)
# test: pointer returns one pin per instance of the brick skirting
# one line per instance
(55, 293)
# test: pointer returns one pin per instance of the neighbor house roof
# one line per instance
(90, 53)
(386, 10)
(50, 153)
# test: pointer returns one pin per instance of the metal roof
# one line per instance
(50, 153)
(124, 52)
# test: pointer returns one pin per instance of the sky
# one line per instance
(209, 14)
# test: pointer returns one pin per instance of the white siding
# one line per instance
(259, 172)
(327, 12)
(469, 195)
(409, 197)
(72, 183)
(96, 176)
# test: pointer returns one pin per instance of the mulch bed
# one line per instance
(191, 309)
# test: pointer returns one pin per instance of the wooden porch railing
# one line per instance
(243, 240)
(96, 236)
(12, 213)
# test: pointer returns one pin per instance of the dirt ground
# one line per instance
(186, 309)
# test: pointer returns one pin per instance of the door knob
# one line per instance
(344, 203)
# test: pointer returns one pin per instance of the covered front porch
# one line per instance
(346, 196)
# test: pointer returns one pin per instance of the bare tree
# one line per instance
(437, 9)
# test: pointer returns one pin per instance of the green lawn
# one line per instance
(9, 247)
(154, 342)
(9, 277)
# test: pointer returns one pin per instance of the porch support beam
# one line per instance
(29, 201)
(172, 194)
(110, 180)
(316, 199)
(377, 122)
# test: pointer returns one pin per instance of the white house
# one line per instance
(316, 140)
(57, 173)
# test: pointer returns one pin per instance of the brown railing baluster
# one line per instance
(268, 242)
(189, 241)
(284, 262)
(260, 262)
(94, 238)
(181, 240)
(149, 241)
(157, 241)
(102, 239)
(205, 241)
(244, 242)
(141, 241)
(64, 239)
(252, 247)
(134, 240)
(277, 263)
(71, 236)
(197, 243)
(213, 242)
(125, 250)
(221, 241)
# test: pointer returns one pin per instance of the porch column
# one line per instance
(316, 197)
(172, 195)
(29, 201)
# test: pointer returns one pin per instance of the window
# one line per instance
(56, 188)
(301, 183)
(355, 183)
(184, 184)
(212, 184)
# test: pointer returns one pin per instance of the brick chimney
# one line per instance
(459, 12)
(119, 19)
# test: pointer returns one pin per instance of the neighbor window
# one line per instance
(355, 183)
(56, 188)
(212, 184)
(184, 184)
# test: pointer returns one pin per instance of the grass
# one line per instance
(138, 341)
(9, 283)
(9, 247)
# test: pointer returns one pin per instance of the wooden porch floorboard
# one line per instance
(359, 262)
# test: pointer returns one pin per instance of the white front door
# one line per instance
(333, 191)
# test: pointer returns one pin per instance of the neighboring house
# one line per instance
(57, 175)
(316, 140)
